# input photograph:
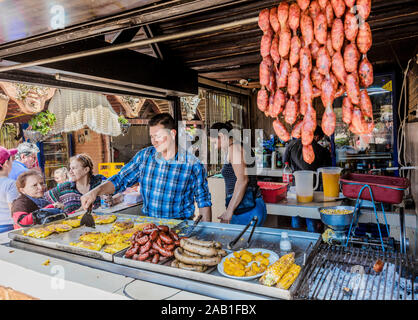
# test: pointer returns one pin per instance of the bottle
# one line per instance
(285, 244)
(287, 174)
(273, 160)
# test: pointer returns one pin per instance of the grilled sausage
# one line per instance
(203, 251)
(320, 28)
(262, 100)
(296, 132)
(265, 44)
(306, 27)
(280, 130)
(284, 41)
(305, 61)
(264, 20)
(329, 13)
(166, 238)
(131, 251)
(353, 89)
(163, 228)
(364, 38)
(338, 68)
(155, 258)
(365, 72)
(145, 247)
(308, 154)
(283, 73)
(283, 14)
(274, 22)
(351, 58)
(363, 8)
(314, 9)
(303, 4)
(293, 82)
(149, 231)
(170, 247)
(323, 62)
(295, 46)
(274, 50)
(164, 252)
(143, 256)
(339, 7)
(337, 34)
(350, 26)
(290, 111)
(203, 261)
(191, 267)
(328, 121)
(366, 106)
(347, 110)
(174, 235)
(203, 243)
(153, 235)
(143, 240)
(294, 17)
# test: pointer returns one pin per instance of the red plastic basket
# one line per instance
(273, 192)
(385, 189)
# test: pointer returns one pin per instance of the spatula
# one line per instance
(87, 219)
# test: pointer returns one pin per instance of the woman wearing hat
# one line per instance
(8, 191)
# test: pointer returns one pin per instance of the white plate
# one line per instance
(272, 258)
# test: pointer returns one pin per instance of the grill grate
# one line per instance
(346, 273)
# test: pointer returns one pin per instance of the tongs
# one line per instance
(188, 231)
(88, 219)
(234, 242)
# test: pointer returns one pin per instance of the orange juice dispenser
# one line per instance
(330, 181)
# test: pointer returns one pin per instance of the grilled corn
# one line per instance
(287, 280)
(276, 271)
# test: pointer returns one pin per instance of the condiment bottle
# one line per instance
(285, 244)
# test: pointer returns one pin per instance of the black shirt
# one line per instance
(293, 155)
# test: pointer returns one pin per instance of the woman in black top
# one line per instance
(238, 183)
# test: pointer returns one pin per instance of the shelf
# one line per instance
(55, 153)
(62, 142)
(55, 166)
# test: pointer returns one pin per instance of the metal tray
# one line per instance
(61, 241)
(266, 238)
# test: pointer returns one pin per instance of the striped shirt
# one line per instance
(67, 194)
(168, 188)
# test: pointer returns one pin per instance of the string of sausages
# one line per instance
(313, 49)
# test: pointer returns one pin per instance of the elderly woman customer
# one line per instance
(82, 181)
(8, 191)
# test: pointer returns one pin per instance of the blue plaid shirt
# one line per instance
(168, 188)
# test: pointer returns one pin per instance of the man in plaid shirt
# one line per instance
(170, 179)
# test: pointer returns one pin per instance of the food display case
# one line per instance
(378, 149)
(54, 153)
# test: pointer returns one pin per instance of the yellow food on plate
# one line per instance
(62, 227)
(123, 225)
(75, 223)
(116, 247)
(38, 233)
(104, 219)
(245, 264)
(87, 245)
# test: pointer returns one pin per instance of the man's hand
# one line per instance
(88, 199)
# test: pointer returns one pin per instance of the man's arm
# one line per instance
(202, 194)
(206, 213)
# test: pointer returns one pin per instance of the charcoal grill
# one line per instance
(330, 274)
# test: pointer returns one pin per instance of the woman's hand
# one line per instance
(58, 205)
(226, 217)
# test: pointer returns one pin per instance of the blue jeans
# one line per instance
(260, 211)
(6, 227)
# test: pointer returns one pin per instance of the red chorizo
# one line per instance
(334, 81)
(338, 68)
(264, 73)
(296, 132)
(366, 106)
(353, 89)
(340, 91)
(131, 251)
(294, 17)
(143, 240)
(155, 258)
(357, 121)
(264, 20)
(328, 121)
(303, 4)
(306, 90)
(143, 256)
(305, 61)
(365, 72)
(163, 228)
(314, 49)
(279, 101)
(272, 82)
(350, 26)
(293, 82)
(265, 44)
(145, 247)
(337, 34)
(170, 247)
(262, 100)
(327, 92)
(314, 9)
(149, 226)
(295, 46)
(290, 111)
(364, 38)
(347, 110)
(149, 231)
(320, 28)
(363, 8)
(316, 77)
(164, 252)
(322, 4)
(350, 3)
(339, 7)
(308, 154)
(351, 58)
(284, 73)
(166, 238)
(274, 22)
(274, 50)
(280, 130)
(284, 41)
(306, 27)
(158, 241)
(323, 62)
(283, 14)
(153, 235)
(309, 126)
(329, 13)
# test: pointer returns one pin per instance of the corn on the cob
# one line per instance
(287, 280)
(276, 271)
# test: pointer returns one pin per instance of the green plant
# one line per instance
(43, 122)
(123, 120)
